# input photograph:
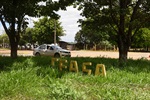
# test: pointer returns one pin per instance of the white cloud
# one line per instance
(69, 20)
(31, 20)
(1, 29)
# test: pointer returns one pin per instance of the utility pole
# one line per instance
(47, 4)
(55, 32)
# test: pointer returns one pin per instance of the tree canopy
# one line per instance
(89, 35)
(43, 31)
(13, 12)
(124, 17)
(4, 39)
(142, 39)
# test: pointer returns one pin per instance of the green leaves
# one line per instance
(43, 30)
(142, 39)
(119, 19)
(13, 12)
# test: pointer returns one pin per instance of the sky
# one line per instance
(68, 21)
(1, 28)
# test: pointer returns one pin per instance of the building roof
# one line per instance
(71, 43)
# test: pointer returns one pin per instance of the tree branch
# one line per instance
(133, 17)
(111, 14)
(135, 10)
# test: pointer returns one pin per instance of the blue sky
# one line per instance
(68, 19)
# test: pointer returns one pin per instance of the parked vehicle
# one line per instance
(51, 50)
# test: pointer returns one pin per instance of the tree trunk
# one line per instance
(146, 48)
(14, 46)
(123, 42)
(123, 52)
(14, 50)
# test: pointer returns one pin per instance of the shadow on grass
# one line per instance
(135, 66)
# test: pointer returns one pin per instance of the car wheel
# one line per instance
(37, 54)
(57, 55)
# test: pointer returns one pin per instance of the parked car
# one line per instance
(51, 50)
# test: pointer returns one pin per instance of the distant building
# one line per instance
(67, 45)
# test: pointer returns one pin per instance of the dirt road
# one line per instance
(82, 53)
(109, 54)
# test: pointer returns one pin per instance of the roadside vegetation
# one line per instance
(33, 78)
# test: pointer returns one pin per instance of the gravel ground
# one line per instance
(82, 53)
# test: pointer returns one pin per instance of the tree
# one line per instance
(90, 35)
(13, 12)
(44, 30)
(4, 39)
(27, 37)
(82, 40)
(142, 39)
(125, 17)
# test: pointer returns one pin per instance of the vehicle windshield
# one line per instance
(58, 47)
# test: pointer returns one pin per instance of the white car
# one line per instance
(51, 50)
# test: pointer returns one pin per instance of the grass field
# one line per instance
(33, 78)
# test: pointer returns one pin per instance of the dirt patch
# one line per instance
(20, 52)
(82, 53)
(109, 54)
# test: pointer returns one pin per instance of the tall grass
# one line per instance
(33, 78)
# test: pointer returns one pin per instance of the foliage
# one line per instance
(43, 32)
(12, 17)
(142, 39)
(44, 29)
(89, 35)
(35, 78)
(4, 38)
(123, 17)
(13, 12)
(27, 37)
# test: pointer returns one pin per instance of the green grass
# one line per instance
(33, 78)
